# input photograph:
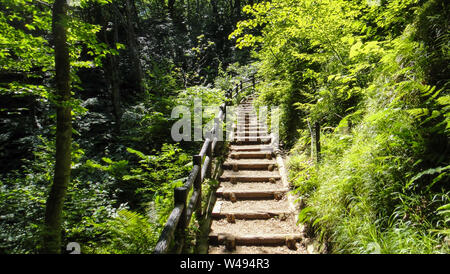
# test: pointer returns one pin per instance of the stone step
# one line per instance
(250, 164)
(251, 148)
(251, 133)
(242, 134)
(241, 116)
(248, 137)
(250, 128)
(251, 125)
(246, 109)
(242, 122)
(267, 239)
(250, 194)
(250, 176)
(255, 128)
(250, 141)
(253, 138)
(221, 210)
(250, 122)
(251, 215)
(251, 155)
(247, 115)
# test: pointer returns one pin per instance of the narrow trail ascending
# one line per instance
(253, 213)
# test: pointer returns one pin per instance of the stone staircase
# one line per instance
(252, 213)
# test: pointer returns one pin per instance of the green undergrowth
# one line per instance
(377, 84)
(149, 184)
(363, 197)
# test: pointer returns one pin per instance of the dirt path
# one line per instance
(253, 214)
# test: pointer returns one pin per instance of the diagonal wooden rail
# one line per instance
(179, 219)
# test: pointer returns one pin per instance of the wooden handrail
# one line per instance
(167, 234)
(182, 213)
(205, 147)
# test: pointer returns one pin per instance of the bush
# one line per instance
(127, 233)
(369, 79)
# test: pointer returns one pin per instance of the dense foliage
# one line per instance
(131, 63)
(374, 75)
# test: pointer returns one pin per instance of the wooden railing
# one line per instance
(179, 219)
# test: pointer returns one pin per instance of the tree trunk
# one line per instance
(176, 16)
(61, 179)
(237, 8)
(115, 80)
(134, 52)
(111, 67)
(219, 37)
(171, 9)
(317, 140)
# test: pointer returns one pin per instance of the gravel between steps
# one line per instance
(252, 186)
(256, 205)
(255, 173)
(256, 227)
(258, 250)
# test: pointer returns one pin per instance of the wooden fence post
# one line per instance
(197, 160)
(317, 140)
(209, 155)
(180, 197)
(218, 133)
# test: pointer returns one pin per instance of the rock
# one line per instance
(290, 243)
(233, 197)
(310, 249)
(228, 240)
(230, 243)
(278, 196)
(231, 219)
(307, 241)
